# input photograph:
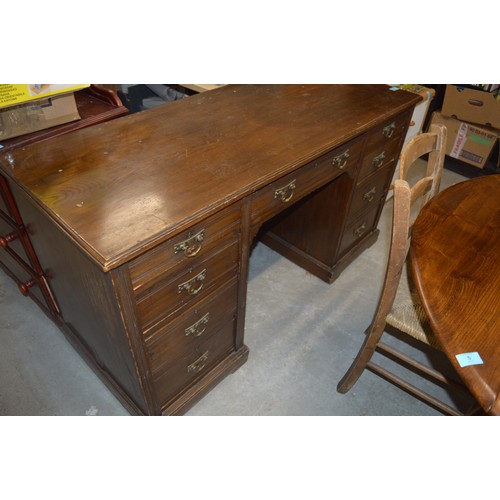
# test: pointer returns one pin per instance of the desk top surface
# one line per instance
(454, 253)
(121, 187)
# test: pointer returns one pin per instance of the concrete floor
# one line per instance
(302, 335)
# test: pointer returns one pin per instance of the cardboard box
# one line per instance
(18, 93)
(37, 115)
(468, 142)
(471, 105)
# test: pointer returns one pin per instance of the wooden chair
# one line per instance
(398, 312)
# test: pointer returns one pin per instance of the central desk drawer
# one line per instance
(169, 292)
(272, 199)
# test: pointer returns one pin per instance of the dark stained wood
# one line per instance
(162, 297)
(153, 173)
(455, 259)
(108, 207)
(309, 233)
(85, 295)
(332, 225)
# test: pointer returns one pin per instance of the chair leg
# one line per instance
(364, 355)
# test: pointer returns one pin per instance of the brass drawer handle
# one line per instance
(195, 329)
(369, 196)
(192, 245)
(388, 131)
(378, 161)
(199, 364)
(194, 285)
(340, 161)
(286, 192)
(360, 230)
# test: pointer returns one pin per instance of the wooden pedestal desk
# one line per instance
(136, 233)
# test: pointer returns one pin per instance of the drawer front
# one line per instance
(201, 240)
(185, 334)
(190, 365)
(159, 299)
(391, 130)
(370, 192)
(383, 146)
(358, 229)
(272, 199)
(379, 157)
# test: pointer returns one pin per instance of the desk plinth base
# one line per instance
(314, 266)
(182, 404)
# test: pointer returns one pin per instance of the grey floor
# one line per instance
(302, 335)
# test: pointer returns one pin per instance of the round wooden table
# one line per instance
(455, 258)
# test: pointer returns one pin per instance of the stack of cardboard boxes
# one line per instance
(27, 108)
(471, 114)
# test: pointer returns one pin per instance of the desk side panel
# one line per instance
(91, 317)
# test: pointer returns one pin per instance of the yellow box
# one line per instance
(12, 94)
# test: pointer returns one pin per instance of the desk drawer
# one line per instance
(201, 240)
(358, 228)
(383, 146)
(389, 131)
(191, 329)
(162, 297)
(272, 199)
(187, 364)
(369, 192)
(378, 158)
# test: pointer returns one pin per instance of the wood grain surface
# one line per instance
(455, 253)
(121, 187)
